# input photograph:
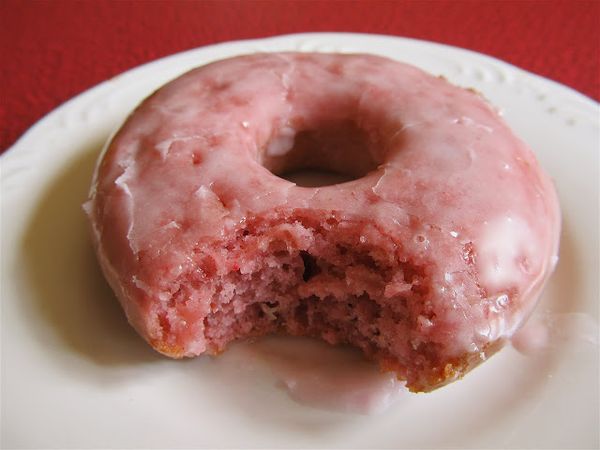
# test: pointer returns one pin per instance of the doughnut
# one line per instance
(427, 259)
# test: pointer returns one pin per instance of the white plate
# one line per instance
(75, 375)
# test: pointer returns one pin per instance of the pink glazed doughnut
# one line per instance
(428, 260)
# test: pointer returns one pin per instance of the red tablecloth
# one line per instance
(52, 50)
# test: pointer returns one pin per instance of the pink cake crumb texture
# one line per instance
(428, 261)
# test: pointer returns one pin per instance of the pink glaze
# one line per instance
(427, 261)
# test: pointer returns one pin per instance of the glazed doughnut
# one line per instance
(428, 260)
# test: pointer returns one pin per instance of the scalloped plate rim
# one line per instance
(585, 101)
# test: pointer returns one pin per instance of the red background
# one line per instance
(53, 50)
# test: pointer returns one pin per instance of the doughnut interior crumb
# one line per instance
(306, 275)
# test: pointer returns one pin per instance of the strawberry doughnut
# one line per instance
(428, 260)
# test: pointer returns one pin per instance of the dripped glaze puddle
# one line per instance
(319, 375)
(546, 332)
(340, 379)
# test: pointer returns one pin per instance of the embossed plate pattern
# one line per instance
(75, 375)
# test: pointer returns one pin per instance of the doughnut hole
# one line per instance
(332, 153)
